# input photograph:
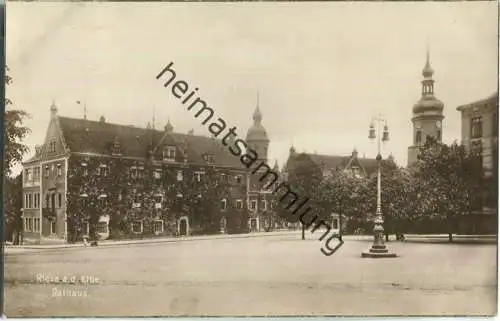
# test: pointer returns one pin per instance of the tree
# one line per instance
(13, 203)
(304, 180)
(449, 182)
(348, 195)
(14, 133)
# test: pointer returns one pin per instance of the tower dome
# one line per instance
(257, 132)
(428, 102)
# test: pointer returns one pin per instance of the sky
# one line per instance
(322, 69)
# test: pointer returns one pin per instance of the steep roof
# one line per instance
(89, 136)
(331, 162)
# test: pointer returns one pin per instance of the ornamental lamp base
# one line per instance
(378, 251)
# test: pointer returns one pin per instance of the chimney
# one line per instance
(37, 149)
(102, 119)
(191, 132)
(354, 153)
(292, 151)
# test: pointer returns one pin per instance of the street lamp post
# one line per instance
(378, 248)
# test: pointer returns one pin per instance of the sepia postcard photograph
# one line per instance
(250, 159)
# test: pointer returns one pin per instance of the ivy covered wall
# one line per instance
(114, 186)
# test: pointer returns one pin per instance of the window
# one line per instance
(59, 170)
(355, 171)
(223, 177)
(140, 172)
(137, 227)
(36, 174)
(103, 201)
(102, 227)
(158, 226)
(476, 127)
(133, 172)
(103, 170)
(27, 175)
(47, 171)
(53, 227)
(179, 175)
(198, 175)
(85, 170)
(209, 159)
(438, 135)
(36, 227)
(137, 201)
(59, 200)
(253, 205)
(158, 201)
(476, 148)
(28, 200)
(157, 174)
(418, 137)
(47, 200)
(263, 204)
(30, 224)
(115, 150)
(52, 146)
(239, 204)
(223, 204)
(36, 200)
(169, 153)
(239, 179)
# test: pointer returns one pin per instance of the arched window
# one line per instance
(418, 137)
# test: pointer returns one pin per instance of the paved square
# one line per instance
(272, 275)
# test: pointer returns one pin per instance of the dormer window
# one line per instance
(169, 153)
(209, 158)
(355, 172)
(133, 172)
(239, 179)
(198, 175)
(47, 171)
(85, 170)
(115, 149)
(103, 170)
(52, 145)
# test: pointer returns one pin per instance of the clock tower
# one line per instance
(427, 115)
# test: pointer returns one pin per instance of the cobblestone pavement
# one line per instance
(280, 275)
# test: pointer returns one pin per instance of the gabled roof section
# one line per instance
(86, 136)
(332, 162)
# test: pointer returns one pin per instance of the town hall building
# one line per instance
(102, 180)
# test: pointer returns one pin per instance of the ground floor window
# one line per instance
(102, 227)
(137, 227)
(158, 226)
(36, 224)
(52, 227)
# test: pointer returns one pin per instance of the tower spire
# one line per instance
(257, 115)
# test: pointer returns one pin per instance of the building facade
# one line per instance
(480, 130)
(480, 137)
(428, 115)
(97, 179)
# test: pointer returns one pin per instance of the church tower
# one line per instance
(257, 136)
(258, 198)
(427, 115)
